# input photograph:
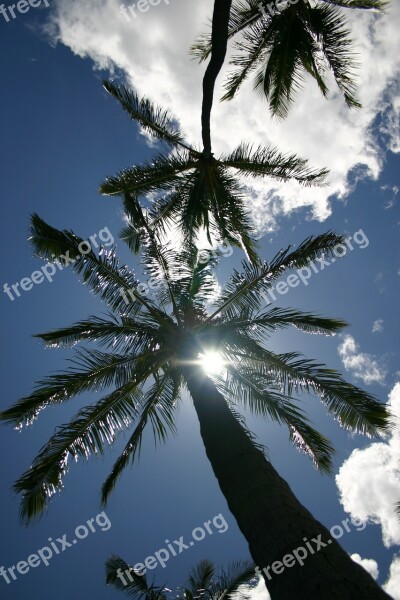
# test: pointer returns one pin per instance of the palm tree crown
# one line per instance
(149, 342)
(281, 46)
(203, 583)
(193, 189)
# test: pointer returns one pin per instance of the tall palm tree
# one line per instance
(193, 189)
(204, 581)
(155, 348)
(281, 45)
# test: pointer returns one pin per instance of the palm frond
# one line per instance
(158, 409)
(250, 325)
(269, 162)
(379, 5)
(102, 274)
(283, 74)
(162, 174)
(230, 580)
(94, 371)
(122, 335)
(87, 434)
(330, 27)
(242, 14)
(200, 579)
(199, 286)
(154, 119)
(355, 409)
(161, 263)
(244, 290)
(132, 233)
(134, 585)
(248, 388)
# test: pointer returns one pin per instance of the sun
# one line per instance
(212, 362)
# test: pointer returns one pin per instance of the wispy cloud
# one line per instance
(361, 365)
(394, 189)
(377, 326)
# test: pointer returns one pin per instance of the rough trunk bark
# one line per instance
(270, 517)
(219, 38)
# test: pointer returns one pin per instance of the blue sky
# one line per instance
(62, 134)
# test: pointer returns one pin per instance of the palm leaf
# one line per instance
(96, 371)
(158, 409)
(253, 48)
(244, 289)
(199, 580)
(163, 174)
(155, 120)
(102, 274)
(261, 325)
(269, 162)
(355, 409)
(87, 434)
(330, 27)
(121, 334)
(248, 388)
(379, 5)
(137, 586)
(230, 580)
(242, 14)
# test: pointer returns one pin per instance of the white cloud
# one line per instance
(392, 586)
(153, 51)
(361, 365)
(369, 480)
(369, 564)
(377, 326)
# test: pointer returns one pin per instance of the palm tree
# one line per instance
(197, 189)
(203, 583)
(281, 46)
(155, 348)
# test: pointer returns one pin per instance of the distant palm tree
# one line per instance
(160, 342)
(281, 46)
(203, 583)
(195, 190)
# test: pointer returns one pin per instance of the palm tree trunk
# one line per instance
(269, 515)
(219, 39)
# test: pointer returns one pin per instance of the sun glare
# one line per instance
(212, 362)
